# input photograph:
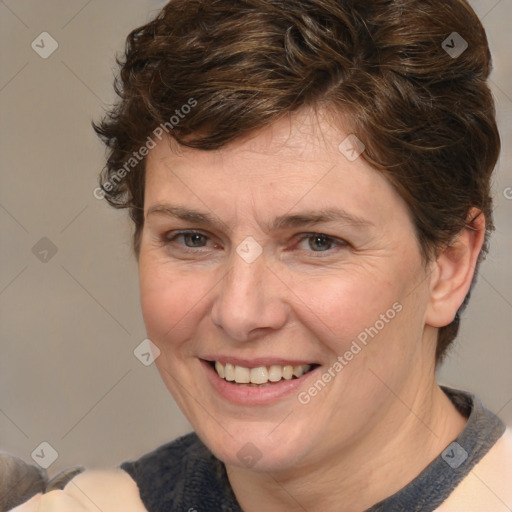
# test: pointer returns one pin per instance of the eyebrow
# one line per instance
(282, 222)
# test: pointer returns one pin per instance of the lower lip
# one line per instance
(254, 395)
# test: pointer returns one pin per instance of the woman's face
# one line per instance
(278, 251)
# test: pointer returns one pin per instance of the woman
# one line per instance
(310, 186)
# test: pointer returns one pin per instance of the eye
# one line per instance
(194, 239)
(186, 239)
(318, 242)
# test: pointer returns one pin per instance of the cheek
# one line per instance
(171, 300)
(339, 308)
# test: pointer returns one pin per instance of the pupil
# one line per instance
(195, 239)
(320, 242)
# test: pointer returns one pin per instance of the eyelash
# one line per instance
(168, 240)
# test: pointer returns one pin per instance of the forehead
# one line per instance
(299, 162)
(299, 136)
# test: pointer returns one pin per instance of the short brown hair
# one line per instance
(423, 111)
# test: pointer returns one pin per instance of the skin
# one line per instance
(381, 420)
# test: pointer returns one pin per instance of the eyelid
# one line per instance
(171, 235)
(335, 239)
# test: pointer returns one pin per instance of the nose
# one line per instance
(250, 302)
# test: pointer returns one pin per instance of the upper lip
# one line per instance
(257, 361)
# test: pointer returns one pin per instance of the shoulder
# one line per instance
(111, 489)
(179, 473)
(124, 489)
(167, 461)
(487, 487)
(106, 490)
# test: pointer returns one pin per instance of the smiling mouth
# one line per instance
(262, 375)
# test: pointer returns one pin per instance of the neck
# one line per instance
(351, 480)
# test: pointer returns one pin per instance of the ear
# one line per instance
(453, 271)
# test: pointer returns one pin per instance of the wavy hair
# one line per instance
(423, 111)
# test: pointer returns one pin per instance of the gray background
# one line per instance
(69, 325)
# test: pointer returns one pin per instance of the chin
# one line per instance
(250, 446)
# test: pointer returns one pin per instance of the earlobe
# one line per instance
(454, 271)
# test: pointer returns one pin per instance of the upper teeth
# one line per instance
(259, 375)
